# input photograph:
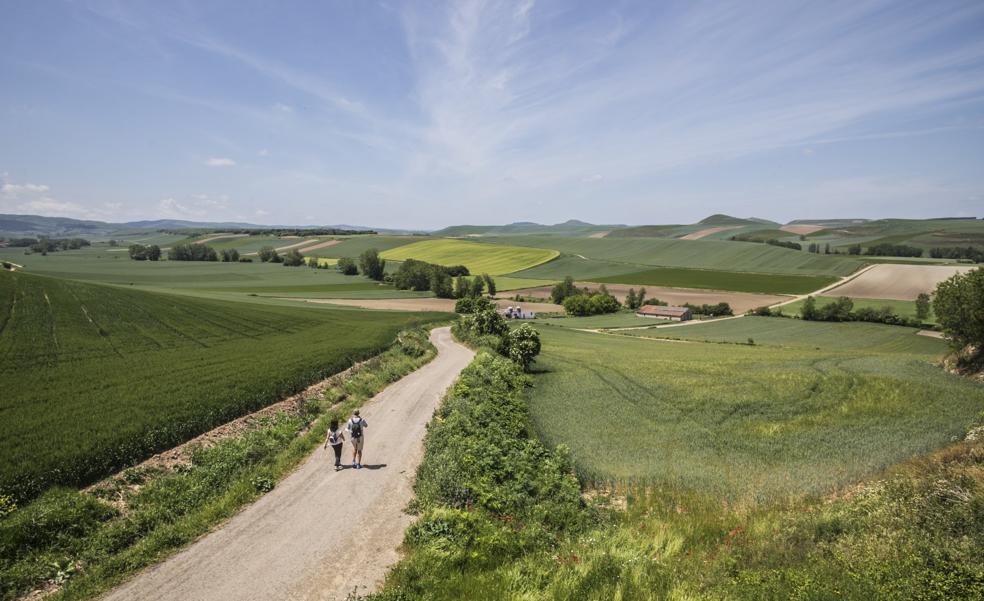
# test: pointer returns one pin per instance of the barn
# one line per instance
(673, 313)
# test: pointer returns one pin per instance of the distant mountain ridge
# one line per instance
(39, 225)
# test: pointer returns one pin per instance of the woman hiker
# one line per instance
(335, 439)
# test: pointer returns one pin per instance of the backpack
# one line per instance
(333, 438)
(356, 428)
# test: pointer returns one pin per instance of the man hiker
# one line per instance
(356, 427)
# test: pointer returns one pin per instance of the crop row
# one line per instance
(88, 391)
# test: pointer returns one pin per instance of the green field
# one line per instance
(739, 421)
(723, 280)
(902, 308)
(494, 259)
(97, 377)
(354, 246)
(696, 254)
(796, 333)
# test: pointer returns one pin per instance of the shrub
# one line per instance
(591, 304)
(471, 305)
(230, 255)
(268, 254)
(522, 345)
(139, 252)
(293, 258)
(347, 266)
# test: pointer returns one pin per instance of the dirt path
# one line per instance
(319, 534)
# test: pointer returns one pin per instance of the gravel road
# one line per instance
(319, 534)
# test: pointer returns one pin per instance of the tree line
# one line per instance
(47, 245)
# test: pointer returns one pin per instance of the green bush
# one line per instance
(347, 266)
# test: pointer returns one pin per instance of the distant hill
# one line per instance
(721, 219)
(571, 227)
(38, 225)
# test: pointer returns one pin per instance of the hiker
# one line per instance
(335, 439)
(356, 428)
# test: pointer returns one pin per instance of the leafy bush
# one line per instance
(139, 252)
(347, 266)
(718, 309)
(293, 258)
(230, 255)
(594, 303)
(522, 345)
(471, 305)
(268, 254)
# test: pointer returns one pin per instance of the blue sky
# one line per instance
(425, 114)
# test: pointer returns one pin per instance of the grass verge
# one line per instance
(81, 544)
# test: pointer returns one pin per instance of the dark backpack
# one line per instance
(356, 429)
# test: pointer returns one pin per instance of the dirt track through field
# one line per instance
(896, 282)
(319, 534)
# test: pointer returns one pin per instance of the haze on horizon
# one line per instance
(422, 115)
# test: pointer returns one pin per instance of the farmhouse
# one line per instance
(517, 313)
(673, 313)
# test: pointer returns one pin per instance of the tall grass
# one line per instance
(740, 421)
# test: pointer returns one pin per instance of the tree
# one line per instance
(489, 283)
(477, 286)
(523, 345)
(959, 306)
(230, 256)
(462, 288)
(347, 266)
(641, 298)
(809, 309)
(371, 265)
(631, 301)
(294, 258)
(563, 290)
(153, 252)
(267, 254)
(440, 284)
(854, 249)
(922, 306)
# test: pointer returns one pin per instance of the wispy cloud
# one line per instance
(220, 162)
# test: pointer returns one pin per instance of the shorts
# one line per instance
(358, 443)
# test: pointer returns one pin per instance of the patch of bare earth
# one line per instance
(324, 244)
(802, 230)
(707, 232)
(897, 282)
(740, 301)
(599, 234)
(221, 237)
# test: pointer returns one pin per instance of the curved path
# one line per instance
(319, 534)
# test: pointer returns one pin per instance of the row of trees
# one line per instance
(192, 252)
(842, 309)
(422, 276)
(965, 253)
(139, 252)
(769, 241)
(47, 245)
